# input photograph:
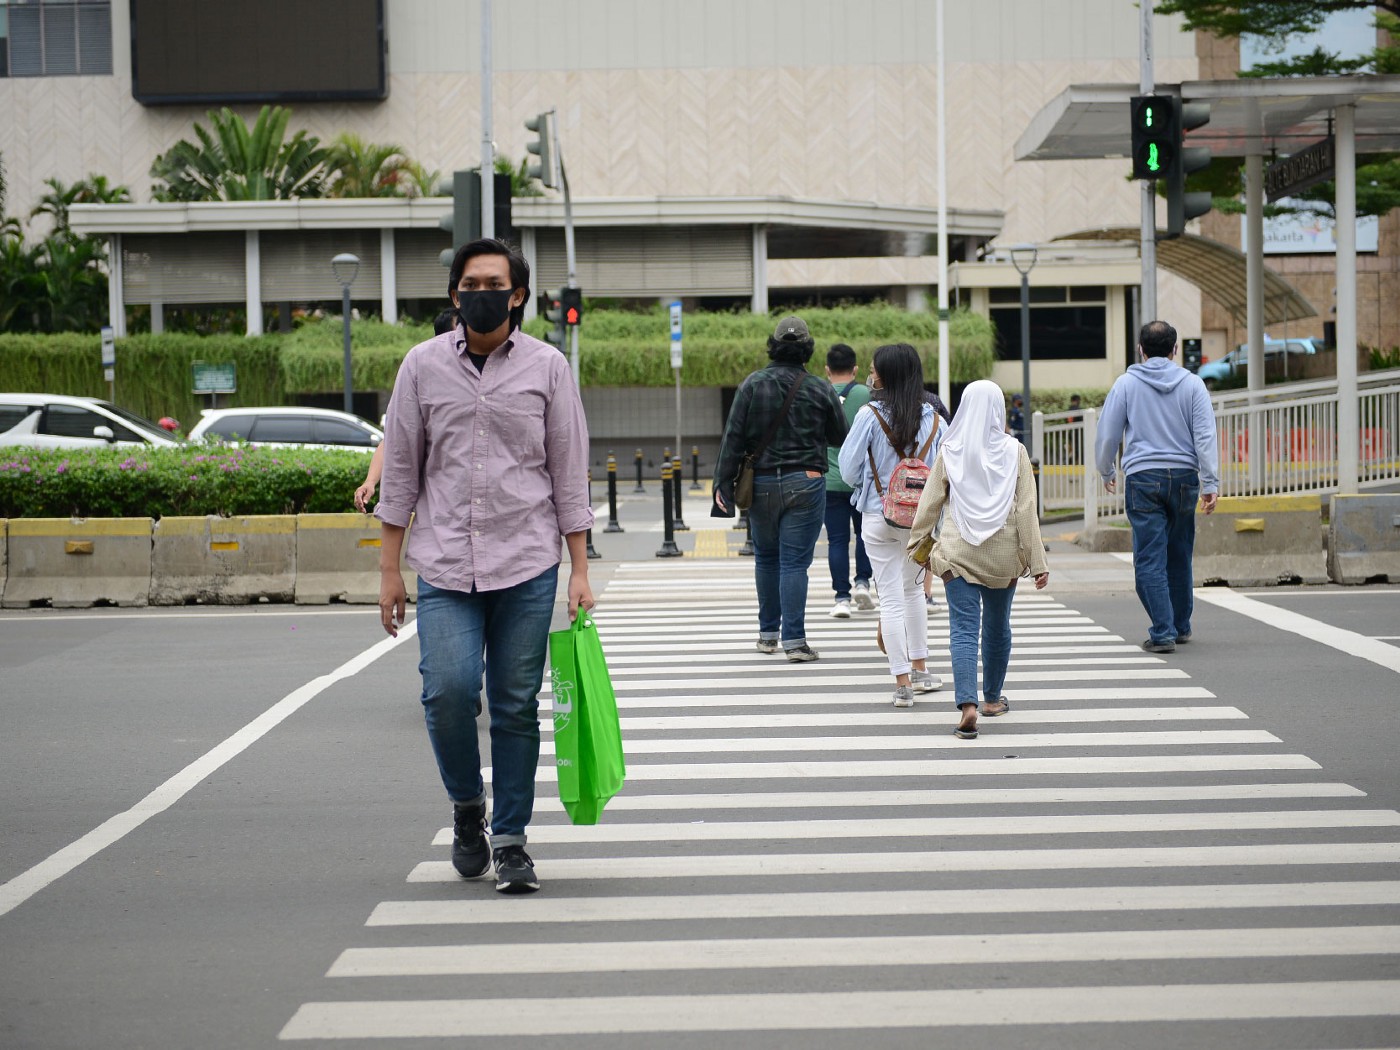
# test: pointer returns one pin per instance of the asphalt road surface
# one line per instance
(224, 828)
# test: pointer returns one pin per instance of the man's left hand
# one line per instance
(1208, 502)
(580, 593)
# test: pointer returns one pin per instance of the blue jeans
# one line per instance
(508, 632)
(841, 520)
(971, 605)
(786, 517)
(1161, 507)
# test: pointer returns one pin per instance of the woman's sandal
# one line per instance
(996, 707)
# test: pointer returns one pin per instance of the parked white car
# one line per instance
(60, 421)
(282, 426)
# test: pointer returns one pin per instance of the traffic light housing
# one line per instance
(1183, 206)
(553, 312)
(464, 224)
(571, 299)
(1156, 137)
(1191, 354)
(542, 146)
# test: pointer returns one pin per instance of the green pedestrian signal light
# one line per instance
(1154, 139)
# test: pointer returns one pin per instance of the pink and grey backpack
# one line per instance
(899, 499)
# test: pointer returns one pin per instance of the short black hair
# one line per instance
(519, 270)
(445, 321)
(841, 359)
(1157, 339)
(790, 351)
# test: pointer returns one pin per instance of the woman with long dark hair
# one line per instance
(897, 425)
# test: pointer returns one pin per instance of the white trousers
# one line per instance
(903, 614)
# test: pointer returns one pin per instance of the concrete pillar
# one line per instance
(916, 298)
(157, 317)
(1348, 407)
(252, 275)
(388, 278)
(116, 301)
(528, 248)
(760, 269)
(1254, 309)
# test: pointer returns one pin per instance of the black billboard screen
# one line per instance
(203, 51)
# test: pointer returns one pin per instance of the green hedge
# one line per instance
(192, 480)
(617, 348)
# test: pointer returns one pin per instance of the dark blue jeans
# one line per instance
(508, 632)
(1161, 507)
(841, 520)
(972, 606)
(787, 519)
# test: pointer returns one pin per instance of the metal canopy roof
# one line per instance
(1091, 121)
(1216, 269)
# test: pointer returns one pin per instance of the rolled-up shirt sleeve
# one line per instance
(403, 449)
(566, 454)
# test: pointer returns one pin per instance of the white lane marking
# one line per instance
(1338, 592)
(760, 865)
(620, 656)
(789, 904)
(830, 1010)
(880, 698)
(1349, 642)
(737, 616)
(922, 717)
(817, 632)
(782, 675)
(740, 656)
(837, 1011)
(1009, 766)
(954, 827)
(995, 742)
(25, 885)
(759, 953)
(1003, 796)
(55, 616)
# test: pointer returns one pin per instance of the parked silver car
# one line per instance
(285, 426)
(60, 421)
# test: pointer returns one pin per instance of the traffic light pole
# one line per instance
(488, 149)
(1147, 300)
(568, 251)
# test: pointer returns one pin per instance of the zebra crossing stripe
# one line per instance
(867, 656)
(757, 865)
(954, 827)
(880, 698)
(782, 675)
(786, 769)
(752, 953)
(923, 717)
(790, 904)
(831, 1010)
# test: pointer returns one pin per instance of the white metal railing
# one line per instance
(1296, 446)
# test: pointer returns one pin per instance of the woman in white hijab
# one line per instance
(989, 538)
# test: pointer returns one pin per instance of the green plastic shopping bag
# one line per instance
(587, 737)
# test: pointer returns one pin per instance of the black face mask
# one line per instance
(484, 312)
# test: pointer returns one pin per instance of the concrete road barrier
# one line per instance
(225, 561)
(337, 559)
(1260, 541)
(77, 563)
(1364, 538)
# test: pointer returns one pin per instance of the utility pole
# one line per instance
(1147, 301)
(488, 148)
(945, 351)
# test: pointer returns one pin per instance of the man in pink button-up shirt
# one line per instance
(487, 453)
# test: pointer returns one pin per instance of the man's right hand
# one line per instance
(393, 601)
(1208, 502)
(1110, 484)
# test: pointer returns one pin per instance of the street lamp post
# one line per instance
(1023, 257)
(345, 266)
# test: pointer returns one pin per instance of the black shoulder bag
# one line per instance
(743, 481)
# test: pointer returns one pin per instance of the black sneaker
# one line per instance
(515, 872)
(471, 852)
(801, 654)
(1158, 647)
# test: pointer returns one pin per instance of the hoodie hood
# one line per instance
(1160, 373)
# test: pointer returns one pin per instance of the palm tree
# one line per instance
(236, 163)
(367, 169)
(95, 189)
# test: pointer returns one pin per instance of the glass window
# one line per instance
(12, 416)
(230, 428)
(55, 38)
(294, 430)
(1058, 333)
(70, 421)
(341, 432)
(1088, 293)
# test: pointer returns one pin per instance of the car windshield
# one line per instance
(133, 420)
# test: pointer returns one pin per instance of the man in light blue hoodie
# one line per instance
(1162, 415)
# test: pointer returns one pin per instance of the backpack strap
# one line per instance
(846, 390)
(889, 434)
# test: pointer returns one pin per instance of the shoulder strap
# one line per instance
(923, 450)
(889, 434)
(778, 419)
(845, 389)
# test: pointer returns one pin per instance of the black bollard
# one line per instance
(639, 487)
(678, 476)
(695, 469)
(746, 551)
(668, 542)
(612, 526)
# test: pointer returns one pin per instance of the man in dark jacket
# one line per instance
(789, 491)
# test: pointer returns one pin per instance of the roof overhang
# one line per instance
(1249, 115)
(1215, 268)
(425, 213)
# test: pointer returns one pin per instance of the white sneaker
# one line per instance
(840, 611)
(924, 682)
(860, 594)
(903, 696)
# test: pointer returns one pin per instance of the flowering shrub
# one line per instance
(190, 480)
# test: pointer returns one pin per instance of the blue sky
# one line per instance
(1345, 33)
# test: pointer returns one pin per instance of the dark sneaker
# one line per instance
(515, 872)
(767, 645)
(801, 654)
(471, 852)
(1158, 647)
(1183, 639)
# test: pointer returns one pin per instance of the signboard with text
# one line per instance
(214, 379)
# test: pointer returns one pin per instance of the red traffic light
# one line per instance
(571, 315)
